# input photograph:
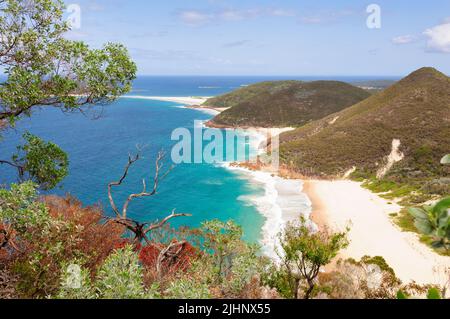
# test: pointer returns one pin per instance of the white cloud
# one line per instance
(232, 15)
(195, 18)
(404, 39)
(199, 18)
(439, 38)
(281, 13)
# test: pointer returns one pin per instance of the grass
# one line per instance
(391, 190)
(284, 103)
(414, 111)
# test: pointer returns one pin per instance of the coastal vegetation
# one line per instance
(395, 139)
(55, 247)
(283, 103)
(434, 221)
(303, 253)
(393, 142)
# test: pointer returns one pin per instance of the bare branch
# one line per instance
(172, 251)
(20, 169)
(164, 221)
(139, 229)
(131, 161)
(156, 179)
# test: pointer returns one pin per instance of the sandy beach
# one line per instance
(338, 204)
(186, 100)
(335, 205)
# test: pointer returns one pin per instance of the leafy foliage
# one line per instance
(188, 288)
(432, 294)
(45, 235)
(434, 221)
(369, 278)
(120, 277)
(227, 266)
(41, 162)
(284, 103)
(221, 240)
(20, 209)
(413, 111)
(45, 69)
(303, 253)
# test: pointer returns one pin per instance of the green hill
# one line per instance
(284, 103)
(414, 111)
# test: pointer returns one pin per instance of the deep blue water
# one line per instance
(98, 151)
(215, 85)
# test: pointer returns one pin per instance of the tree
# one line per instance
(45, 69)
(227, 266)
(41, 162)
(223, 240)
(303, 253)
(39, 235)
(139, 229)
(20, 211)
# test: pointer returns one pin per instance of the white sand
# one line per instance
(185, 100)
(282, 201)
(346, 203)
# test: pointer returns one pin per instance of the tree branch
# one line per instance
(131, 161)
(19, 168)
(164, 221)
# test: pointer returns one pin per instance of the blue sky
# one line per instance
(289, 37)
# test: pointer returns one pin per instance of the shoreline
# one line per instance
(333, 205)
(189, 102)
(185, 100)
(283, 201)
(341, 203)
(282, 197)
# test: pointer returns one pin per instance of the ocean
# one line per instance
(98, 151)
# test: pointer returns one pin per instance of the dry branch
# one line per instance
(139, 229)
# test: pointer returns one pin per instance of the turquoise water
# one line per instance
(98, 151)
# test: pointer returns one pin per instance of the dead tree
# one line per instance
(140, 230)
(168, 255)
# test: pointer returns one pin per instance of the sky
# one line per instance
(288, 37)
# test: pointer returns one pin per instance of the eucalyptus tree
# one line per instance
(42, 68)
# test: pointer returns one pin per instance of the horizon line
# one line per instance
(262, 75)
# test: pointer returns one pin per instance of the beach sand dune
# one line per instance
(338, 204)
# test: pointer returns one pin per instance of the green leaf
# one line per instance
(442, 206)
(434, 293)
(424, 226)
(437, 244)
(401, 295)
(418, 213)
